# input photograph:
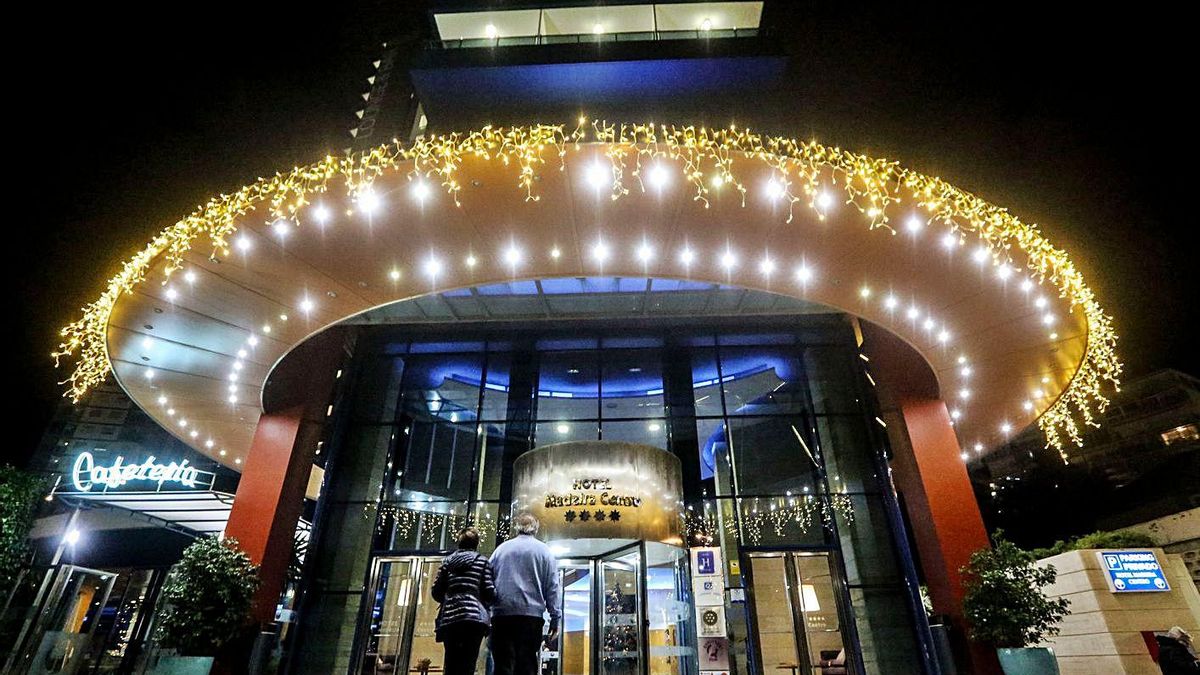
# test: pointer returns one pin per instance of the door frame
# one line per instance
(640, 616)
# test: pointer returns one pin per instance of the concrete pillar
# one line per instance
(944, 515)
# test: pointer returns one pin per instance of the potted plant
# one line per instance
(1006, 606)
(206, 600)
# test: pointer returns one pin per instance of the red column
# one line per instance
(943, 513)
(269, 501)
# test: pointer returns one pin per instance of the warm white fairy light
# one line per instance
(870, 187)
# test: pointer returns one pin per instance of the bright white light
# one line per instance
(598, 28)
(600, 251)
(252, 340)
(237, 365)
(71, 537)
(266, 328)
(824, 201)
(1028, 405)
(804, 274)
(864, 292)
(420, 190)
(966, 371)
(369, 201)
(233, 398)
(775, 189)
(472, 261)
(433, 267)
(687, 256)
(321, 213)
(162, 400)
(980, 255)
(890, 302)
(956, 413)
(171, 412)
(962, 359)
(964, 456)
(718, 180)
(512, 256)
(949, 241)
(147, 342)
(149, 373)
(242, 353)
(1005, 428)
(172, 294)
(599, 175)
(964, 393)
(913, 312)
(243, 243)
(654, 426)
(555, 253)
(645, 253)
(658, 176)
(943, 336)
(209, 443)
(1004, 272)
(929, 323)
(1048, 319)
(1027, 285)
(282, 227)
(194, 433)
(233, 377)
(238, 460)
(562, 428)
(767, 266)
(979, 447)
(728, 260)
(1054, 336)
(190, 277)
(706, 24)
(490, 31)
(1040, 302)
(307, 305)
(914, 224)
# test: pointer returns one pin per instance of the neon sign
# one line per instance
(86, 474)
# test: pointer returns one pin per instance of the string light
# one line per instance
(870, 186)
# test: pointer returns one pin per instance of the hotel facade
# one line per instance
(738, 377)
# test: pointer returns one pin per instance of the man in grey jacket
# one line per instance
(527, 587)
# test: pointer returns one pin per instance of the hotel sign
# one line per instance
(86, 474)
(600, 490)
(1133, 571)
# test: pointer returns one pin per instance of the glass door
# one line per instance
(394, 612)
(621, 609)
(572, 655)
(67, 625)
(797, 615)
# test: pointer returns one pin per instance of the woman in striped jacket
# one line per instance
(466, 589)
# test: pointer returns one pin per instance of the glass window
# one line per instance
(885, 630)
(762, 381)
(631, 384)
(647, 432)
(568, 386)
(438, 461)
(377, 389)
(706, 382)
(848, 452)
(773, 456)
(562, 431)
(362, 462)
(864, 533)
(495, 389)
(832, 379)
(444, 386)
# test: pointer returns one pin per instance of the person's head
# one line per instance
(1180, 635)
(526, 523)
(468, 539)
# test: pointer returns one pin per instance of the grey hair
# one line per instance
(1178, 633)
(526, 523)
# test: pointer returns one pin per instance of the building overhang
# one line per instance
(195, 323)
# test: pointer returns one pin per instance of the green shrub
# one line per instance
(19, 492)
(1004, 602)
(1099, 539)
(207, 597)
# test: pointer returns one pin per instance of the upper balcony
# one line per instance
(558, 25)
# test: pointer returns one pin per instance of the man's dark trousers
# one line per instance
(516, 645)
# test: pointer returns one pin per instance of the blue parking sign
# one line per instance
(1133, 572)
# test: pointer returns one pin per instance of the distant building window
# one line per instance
(1184, 432)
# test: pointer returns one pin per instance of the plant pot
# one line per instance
(183, 665)
(1028, 661)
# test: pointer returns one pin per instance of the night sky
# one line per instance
(125, 120)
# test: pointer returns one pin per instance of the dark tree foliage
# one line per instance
(207, 597)
(1005, 602)
(19, 492)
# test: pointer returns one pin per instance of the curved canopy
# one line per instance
(194, 323)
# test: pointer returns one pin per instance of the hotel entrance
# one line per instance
(624, 612)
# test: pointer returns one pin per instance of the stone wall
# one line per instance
(1103, 633)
